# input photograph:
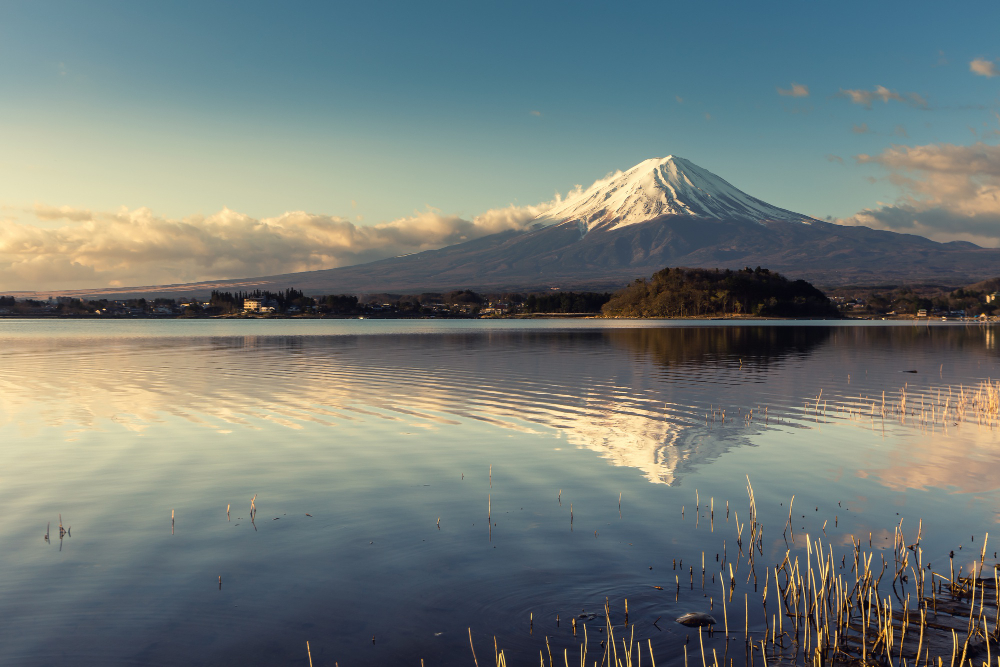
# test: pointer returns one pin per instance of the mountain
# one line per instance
(661, 212)
(659, 187)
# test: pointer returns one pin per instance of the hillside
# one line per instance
(707, 293)
(661, 212)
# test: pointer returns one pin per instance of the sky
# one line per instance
(150, 143)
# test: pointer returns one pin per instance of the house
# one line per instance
(253, 305)
(922, 312)
(992, 298)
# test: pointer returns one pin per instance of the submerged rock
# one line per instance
(696, 619)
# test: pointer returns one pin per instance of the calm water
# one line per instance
(357, 437)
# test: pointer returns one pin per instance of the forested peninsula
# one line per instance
(718, 293)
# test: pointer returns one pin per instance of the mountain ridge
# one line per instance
(601, 238)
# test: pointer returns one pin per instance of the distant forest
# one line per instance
(565, 302)
(715, 293)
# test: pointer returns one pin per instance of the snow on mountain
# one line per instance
(662, 186)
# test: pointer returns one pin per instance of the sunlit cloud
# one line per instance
(861, 129)
(797, 90)
(984, 67)
(131, 247)
(962, 460)
(834, 158)
(43, 212)
(948, 192)
(866, 97)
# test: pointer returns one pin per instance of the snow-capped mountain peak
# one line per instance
(662, 186)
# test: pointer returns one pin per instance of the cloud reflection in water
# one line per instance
(639, 397)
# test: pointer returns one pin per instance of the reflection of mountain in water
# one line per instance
(663, 451)
(665, 442)
(591, 385)
(639, 397)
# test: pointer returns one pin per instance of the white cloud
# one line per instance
(984, 67)
(948, 192)
(137, 247)
(797, 90)
(866, 97)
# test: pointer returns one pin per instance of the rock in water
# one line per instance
(696, 619)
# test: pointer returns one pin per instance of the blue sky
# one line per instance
(370, 112)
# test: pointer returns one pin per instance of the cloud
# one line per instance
(834, 158)
(43, 212)
(866, 97)
(536, 113)
(948, 192)
(861, 129)
(900, 131)
(136, 247)
(680, 100)
(984, 67)
(797, 90)
(978, 159)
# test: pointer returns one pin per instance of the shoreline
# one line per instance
(533, 316)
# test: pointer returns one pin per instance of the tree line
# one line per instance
(672, 292)
(680, 292)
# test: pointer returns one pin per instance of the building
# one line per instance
(922, 312)
(253, 305)
(992, 298)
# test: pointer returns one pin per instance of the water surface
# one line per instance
(378, 430)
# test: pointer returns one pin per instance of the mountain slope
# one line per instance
(558, 257)
(662, 212)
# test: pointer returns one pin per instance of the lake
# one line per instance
(418, 481)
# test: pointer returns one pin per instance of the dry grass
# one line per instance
(849, 609)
